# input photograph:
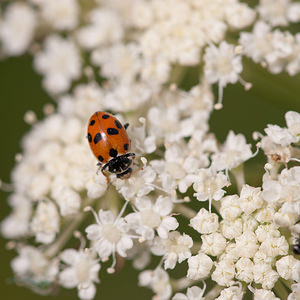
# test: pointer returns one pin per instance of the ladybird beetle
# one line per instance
(296, 247)
(110, 144)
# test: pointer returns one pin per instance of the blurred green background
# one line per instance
(244, 112)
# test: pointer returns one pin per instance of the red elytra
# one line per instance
(110, 144)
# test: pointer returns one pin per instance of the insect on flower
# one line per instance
(110, 144)
(296, 246)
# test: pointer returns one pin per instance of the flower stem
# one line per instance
(281, 290)
(196, 247)
(185, 211)
(214, 292)
(67, 233)
(239, 176)
(64, 237)
(181, 284)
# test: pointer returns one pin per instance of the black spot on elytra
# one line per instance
(118, 124)
(89, 137)
(97, 138)
(92, 122)
(113, 152)
(112, 131)
(126, 147)
(105, 116)
(100, 158)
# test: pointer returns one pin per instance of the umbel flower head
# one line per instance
(133, 59)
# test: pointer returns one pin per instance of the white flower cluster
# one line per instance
(278, 50)
(247, 243)
(134, 55)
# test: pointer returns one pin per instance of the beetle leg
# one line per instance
(131, 154)
(126, 125)
(102, 171)
(107, 177)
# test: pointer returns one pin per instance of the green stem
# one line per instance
(182, 283)
(177, 74)
(64, 237)
(217, 205)
(239, 176)
(287, 283)
(196, 247)
(112, 200)
(185, 211)
(214, 292)
(280, 290)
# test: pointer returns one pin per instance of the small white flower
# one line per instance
(119, 62)
(274, 11)
(208, 185)
(127, 97)
(222, 64)
(232, 292)
(239, 15)
(109, 235)
(17, 28)
(138, 185)
(293, 13)
(295, 294)
(141, 142)
(213, 244)
(45, 222)
(288, 268)
(17, 223)
(105, 27)
(250, 199)
(230, 253)
(234, 152)
(244, 269)
(265, 214)
(287, 215)
(257, 44)
(271, 189)
(193, 293)
(155, 72)
(249, 223)
(199, 266)
(96, 185)
(142, 14)
(84, 101)
(61, 14)
(176, 248)
(59, 62)
(267, 232)
(81, 271)
(205, 222)
(68, 202)
(232, 229)
(152, 216)
(281, 136)
(31, 264)
(290, 180)
(230, 207)
(224, 272)
(261, 257)
(246, 244)
(292, 119)
(262, 294)
(281, 55)
(265, 275)
(159, 281)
